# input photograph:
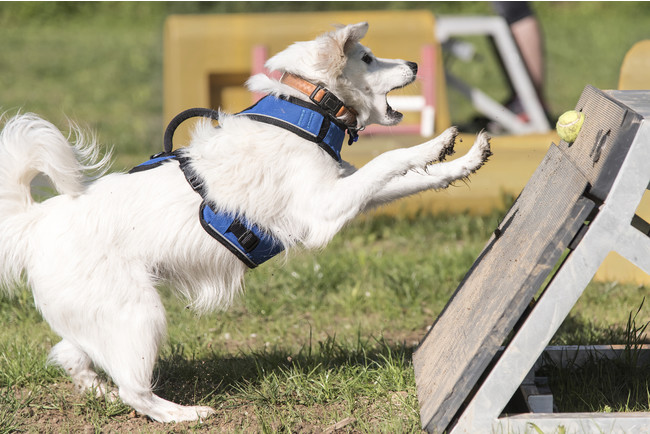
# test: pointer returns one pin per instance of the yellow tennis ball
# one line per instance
(569, 124)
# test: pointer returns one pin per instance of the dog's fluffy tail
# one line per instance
(30, 145)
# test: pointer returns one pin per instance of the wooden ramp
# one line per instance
(578, 206)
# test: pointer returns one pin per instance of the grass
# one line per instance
(325, 337)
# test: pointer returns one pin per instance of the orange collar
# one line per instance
(321, 97)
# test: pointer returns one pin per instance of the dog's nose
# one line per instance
(413, 66)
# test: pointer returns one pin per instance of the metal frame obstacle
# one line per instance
(578, 206)
(448, 27)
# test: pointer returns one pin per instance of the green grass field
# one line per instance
(323, 337)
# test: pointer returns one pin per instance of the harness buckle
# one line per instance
(329, 101)
(245, 236)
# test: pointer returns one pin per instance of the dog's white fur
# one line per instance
(94, 253)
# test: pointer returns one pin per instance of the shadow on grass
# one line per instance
(372, 367)
(269, 375)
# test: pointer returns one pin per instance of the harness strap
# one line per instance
(301, 118)
(245, 240)
(155, 161)
(168, 144)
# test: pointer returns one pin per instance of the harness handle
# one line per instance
(168, 144)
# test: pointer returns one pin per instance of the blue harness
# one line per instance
(248, 242)
(304, 119)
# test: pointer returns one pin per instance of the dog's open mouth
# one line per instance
(393, 114)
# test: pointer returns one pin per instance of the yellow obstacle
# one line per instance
(207, 58)
(635, 70)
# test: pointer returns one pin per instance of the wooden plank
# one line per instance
(498, 287)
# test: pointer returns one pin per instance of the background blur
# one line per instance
(101, 63)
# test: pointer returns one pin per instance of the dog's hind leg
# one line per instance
(117, 320)
(126, 347)
(79, 367)
(125, 344)
(161, 410)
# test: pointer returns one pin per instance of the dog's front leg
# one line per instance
(329, 209)
(435, 176)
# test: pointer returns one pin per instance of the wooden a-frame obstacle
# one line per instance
(582, 199)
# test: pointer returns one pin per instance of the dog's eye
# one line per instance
(367, 58)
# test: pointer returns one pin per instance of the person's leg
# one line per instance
(528, 37)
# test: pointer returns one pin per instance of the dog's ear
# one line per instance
(350, 35)
(335, 45)
(320, 60)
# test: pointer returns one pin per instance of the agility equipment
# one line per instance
(495, 28)
(579, 205)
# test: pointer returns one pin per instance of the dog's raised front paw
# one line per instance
(438, 148)
(448, 138)
(480, 151)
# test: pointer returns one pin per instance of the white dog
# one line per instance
(94, 253)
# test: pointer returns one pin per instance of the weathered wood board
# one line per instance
(497, 289)
(567, 186)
